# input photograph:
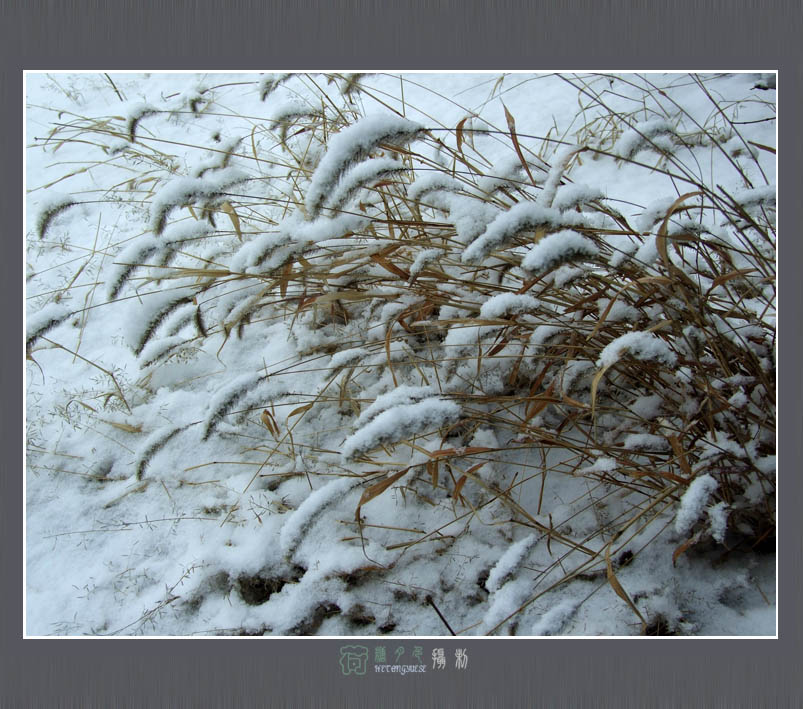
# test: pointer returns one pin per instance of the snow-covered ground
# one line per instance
(206, 422)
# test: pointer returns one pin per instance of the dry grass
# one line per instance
(531, 372)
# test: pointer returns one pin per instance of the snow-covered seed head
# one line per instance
(642, 135)
(351, 145)
(522, 217)
(135, 114)
(50, 210)
(46, 319)
(401, 422)
(270, 82)
(557, 249)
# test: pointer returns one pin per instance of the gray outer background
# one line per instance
(441, 34)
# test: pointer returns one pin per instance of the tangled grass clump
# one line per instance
(485, 325)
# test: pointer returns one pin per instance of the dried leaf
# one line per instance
(127, 427)
(617, 587)
(595, 383)
(459, 486)
(235, 220)
(661, 238)
(496, 349)
(253, 143)
(674, 441)
(377, 489)
(387, 351)
(684, 547)
(725, 277)
(762, 147)
(539, 403)
(511, 124)
(460, 134)
(574, 402)
(270, 423)
(300, 410)
(287, 271)
(432, 469)
(388, 266)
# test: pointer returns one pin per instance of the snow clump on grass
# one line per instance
(557, 249)
(350, 145)
(693, 501)
(401, 422)
(641, 345)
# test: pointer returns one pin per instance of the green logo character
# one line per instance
(353, 659)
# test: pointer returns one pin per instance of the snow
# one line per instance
(346, 357)
(693, 501)
(426, 257)
(505, 602)
(619, 311)
(134, 113)
(647, 407)
(351, 145)
(601, 465)
(647, 253)
(560, 161)
(431, 182)
(766, 464)
(506, 304)
(542, 333)
(360, 175)
(551, 622)
(157, 349)
(654, 212)
(506, 172)
(640, 136)
(556, 249)
(399, 396)
(565, 275)
(470, 218)
(183, 191)
(571, 196)
(269, 82)
(645, 441)
(127, 261)
(509, 562)
(525, 216)
(641, 345)
(151, 445)
(298, 522)
(573, 371)
(756, 196)
(44, 320)
(718, 516)
(227, 396)
(288, 110)
(292, 233)
(399, 423)
(719, 443)
(220, 158)
(49, 208)
(146, 313)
